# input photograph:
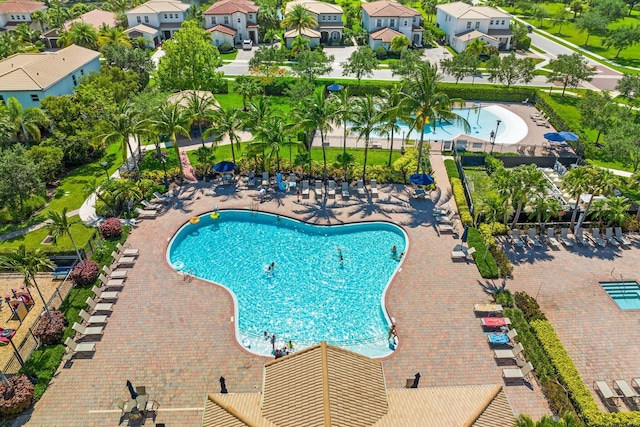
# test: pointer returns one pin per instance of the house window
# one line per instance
(24, 17)
(171, 15)
(2, 99)
(251, 17)
(12, 18)
(323, 17)
(165, 16)
(226, 20)
(213, 20)
(238, 20)
(139, 19)
(491, 22)
(503, 22)
(477, 25)
(82, 71)
(35, 98)
(379, 23)
(146, 19)
(406, 23)
(392, 22)
(73, 77)
(468, 25)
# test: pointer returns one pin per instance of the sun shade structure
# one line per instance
(554, 137)
(224, 167)
(334, 87)
(569, 136)
(421, 179)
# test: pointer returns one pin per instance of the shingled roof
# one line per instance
(227, 7)
(384, 8)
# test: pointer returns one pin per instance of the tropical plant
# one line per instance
(59, 225)
(492, 208)
(247, 87)
(271, 135)
(299, 18)
(321, 111)
(200, 104)
(25, 122)
(173, 120)
(300, 43)
(477, 47)
(398, 44)
(543, 208)
(391, 111)
(28, 262)
(366, 120)
(527, 181)
(226, 122)
(81, 34)
(113, 36)
(576, 182)
(613, 210)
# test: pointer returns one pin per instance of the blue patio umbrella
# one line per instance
(421, 179)
(569, 136)
(334, 87)
(554, 137)
(465, 234)
(224, 167)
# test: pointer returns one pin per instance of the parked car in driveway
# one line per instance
(247, 45)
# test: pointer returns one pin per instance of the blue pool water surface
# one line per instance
(625, 294)
(310, 296)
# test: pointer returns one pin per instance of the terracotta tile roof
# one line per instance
(385, 34)
(222, 29)
(159, 6)
(95, 18)
(21, 6)
(39, 71)
(388, 8)
(306, 32)
(463, 10)
(227, 7)
(314, 6)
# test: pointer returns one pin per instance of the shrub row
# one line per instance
(461, 201)
(452, 170)
(479, 92)
(529, 307)
(502, 260)
(484, 260)
(503, 297)
(51, 328)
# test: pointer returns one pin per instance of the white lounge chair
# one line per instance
(345, 190)
(595, 233)
(360, 187)
(463, 254)
(623, 241)
(305, 188)
(146, 213)
(551, 238)
(73, 348)
(441, 212)
(490, 309)
(127, 251)
(522, 373)
(110, 283)
(628, 393)
(160, 198)
(533, 238)
(96, 307)
(374, 188)
(331, 191)
(265, 179)
(609, 396)
(445, 228)
(511, 353)
(292, 181)
(151, 206)
(448, 219)
(87, 331)
(90, 320)
(564, 237)
(102, 295)
(515, 238)
(114, 274)
(579, 235)
(608, 234)
(118, 259)
(318, 188)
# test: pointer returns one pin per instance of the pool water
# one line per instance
(310, 295)
(625, 294)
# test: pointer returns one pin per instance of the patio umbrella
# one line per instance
(421, 179)
(334, 87)
(554, 137)
(131, 390)
(569, 136)
(465, 234)
(224, 167)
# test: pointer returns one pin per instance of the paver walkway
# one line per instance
(177, 337)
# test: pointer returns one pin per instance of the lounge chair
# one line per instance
(96, 307)
(102, 295)
(151, 206)
(119, 259)
(532, 150)
(502, 339)
(419, 193)
(533, 239)
(510, 374)
(127, 251)
(564, 237)
(265, 179)
(579, 235)
(609, 396)
(508, 353)
(146, 213)
(463, 254)
(595, 234)
(160, 198)
(445, 228)
(495, 322)
(90, 320)
(292, 181)
(73, 348)
(446, 219)
(110, 283)
(623, 241)
(114, 274)
(608, 234)
(551, 238)
(305, 188)
(360, 187)
(441, 212)
(628, 393)
(318, 188)
(251, 180)
(374, 188)
(515, 238)
(331, 191)
(492, 310)
(345, 190)
(87, 331)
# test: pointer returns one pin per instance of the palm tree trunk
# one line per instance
(517, 215)
(391, 147)
(366, 152)
(44, 303)
(420, 147)
(324, 156)
(233, 152)
(586, 210)
(76, 248)
(135, 161)
(344, 138)
(177, 150)
(575, 213)
(200, 130)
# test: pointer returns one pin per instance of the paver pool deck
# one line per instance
(176, 337)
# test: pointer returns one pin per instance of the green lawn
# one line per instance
(229, 56)
(80, 232)
(478, 179)
(611, 164)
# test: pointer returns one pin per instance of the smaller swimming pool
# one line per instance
(625, 294)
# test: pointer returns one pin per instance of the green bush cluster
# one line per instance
(488, 230)
(484, 260)
(492, 164)
(502, 260)
(452, 170)
(461, 201)
(471, 92)
(529, 307)
(503, 297)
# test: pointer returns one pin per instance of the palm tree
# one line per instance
(321, 111)
(398, 44)
(427, 104)
(272, 134)
(200, 104)
(567, 420)
(113, 36)
(299, 18)
(28, 263)
(365, 122)
(502, 182)
(391, 112)
(604, 183)
(613, 211)
(39, 16)
(124, 122)
(577, 182)
(59, 225)
(94, 186)
(195, 13)
(81, 34)
(543, 208)
(173, 120)
(57, 15)
(226, 122)
(247, 87)
(300, 43)
(477, 47)
(26, 122)
(126, 192)
(529, 180)
(492, 208)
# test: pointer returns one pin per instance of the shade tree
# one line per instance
(360, 63)
(598, 111)
(509, 70)
(570, 70)
(622, 37)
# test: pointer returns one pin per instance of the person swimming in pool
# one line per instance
(394, 250)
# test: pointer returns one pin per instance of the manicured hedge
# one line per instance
(452, 170)
(471, 92)
(461, 201)
(484, 260)
(570, 377)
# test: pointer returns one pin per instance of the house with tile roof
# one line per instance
(232, 21)
(327, 15)
(96, 18)
(164, 16)
(464, 23)
(326, 385)
(30, 77)
(384, 20)
(14, 12)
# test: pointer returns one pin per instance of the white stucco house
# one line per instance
(307, 33)
(96, 18)
(30, 77)
(14, 12)
(328, 16)
(464, 23)
(165, 16)
(232, 21)
(379, 17)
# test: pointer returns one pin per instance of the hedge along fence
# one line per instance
(458, 192)
(570, 377)
(485, 262)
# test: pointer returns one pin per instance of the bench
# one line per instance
(376, 145)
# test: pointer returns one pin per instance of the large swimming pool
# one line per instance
(311, 295)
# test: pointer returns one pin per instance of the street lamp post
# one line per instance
(164, 168)
(495, 135)
(105, 166)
